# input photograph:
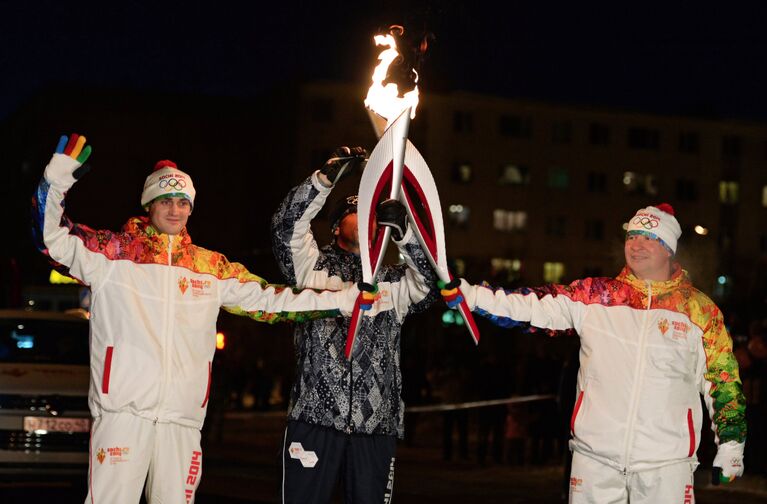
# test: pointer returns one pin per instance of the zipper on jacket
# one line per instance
(167, 332)
(638, 375)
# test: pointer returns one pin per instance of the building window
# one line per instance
(599, 134)
(459, 215)
(515, 126)
(728, 192)
(507, 270)
(689, 142)
(462, 173)
(463, 122)
(594, 230)
(514, 175)
(596, 182)
(686, 190)
(731, 147)
(764, 196)
(553, 272)
(763, 243)
(644, 138)
(558, 177)
(322, 110)
(640, 183)
(509, 220)
(556, 225)
(562, 132)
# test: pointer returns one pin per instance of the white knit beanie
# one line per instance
(657, 222)
(167, 181)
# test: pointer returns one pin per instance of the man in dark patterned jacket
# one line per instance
(345, 415)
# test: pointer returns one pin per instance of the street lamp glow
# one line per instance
(701, 230)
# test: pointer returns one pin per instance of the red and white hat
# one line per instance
(167, 181)
(657, 222)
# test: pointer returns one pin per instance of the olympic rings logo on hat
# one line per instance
(646, 222)
(172, 184)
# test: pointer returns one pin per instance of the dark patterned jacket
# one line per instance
(371, 381)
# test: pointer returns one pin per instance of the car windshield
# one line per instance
(43, 341)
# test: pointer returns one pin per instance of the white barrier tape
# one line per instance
(245, 415)
(478, 404)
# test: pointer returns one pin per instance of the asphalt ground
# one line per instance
(244, 467)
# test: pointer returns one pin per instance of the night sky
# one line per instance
(641, 56)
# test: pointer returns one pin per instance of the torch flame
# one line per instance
(385, 100)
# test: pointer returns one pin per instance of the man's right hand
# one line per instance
(67, 162)
(345, 161)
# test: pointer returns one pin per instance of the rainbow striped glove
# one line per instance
(66, 165)
(450, 292)
(370, 295)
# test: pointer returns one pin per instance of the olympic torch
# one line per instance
(393, 159)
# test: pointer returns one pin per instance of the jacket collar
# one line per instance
(679, 278)
(142, 228)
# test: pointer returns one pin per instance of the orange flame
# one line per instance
(385, 100)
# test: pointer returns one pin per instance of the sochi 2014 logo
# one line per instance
(183, 285)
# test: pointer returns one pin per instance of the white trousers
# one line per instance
(595, 483)
(126, 451)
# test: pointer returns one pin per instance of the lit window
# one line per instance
(558, 177)
(459, 215)
(462, 173)
(514, 175)
(459, 267)
(506, 269)
(553, 272)
(509, 220)
(764, 196)
(728, 192)
(640, 183)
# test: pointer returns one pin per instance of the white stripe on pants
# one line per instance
(127, 450)
(592, 482)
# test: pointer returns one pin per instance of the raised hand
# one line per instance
(69, 158)
(344, 162)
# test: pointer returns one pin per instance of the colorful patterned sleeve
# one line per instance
(251, 296)
(721, 388)
(552, 308)
(65, 243)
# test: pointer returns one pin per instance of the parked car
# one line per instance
(44, 416)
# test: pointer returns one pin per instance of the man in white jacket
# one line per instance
(651, 344)
(155, 298)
